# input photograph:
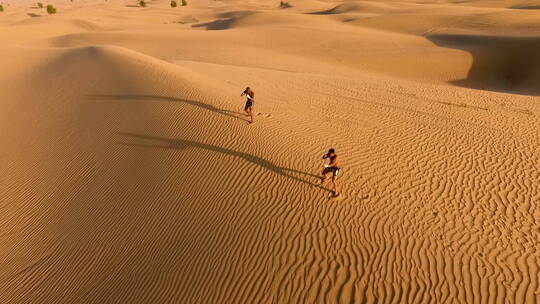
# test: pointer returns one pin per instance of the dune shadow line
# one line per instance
(217, 25)
(500, 64)
(526, 7)
(226, 21)
(195, 103)
(331, 11)
(183, 144)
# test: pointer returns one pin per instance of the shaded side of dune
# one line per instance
(507, 64)
(224, 21)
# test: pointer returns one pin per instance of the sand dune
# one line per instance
(129, 173)
(500, 63)
(362, 6)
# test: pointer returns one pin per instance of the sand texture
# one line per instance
(130, 174)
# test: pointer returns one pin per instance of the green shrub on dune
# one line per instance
(51, 9)
(284, 4)
(174, 4)
(142, 3)
(40, 5)
(184, 2)
(1, 8)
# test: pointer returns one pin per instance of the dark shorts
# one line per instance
(333, 170)
(249, 104)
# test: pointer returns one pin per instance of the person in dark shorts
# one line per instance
(248, 92)
(333, 167)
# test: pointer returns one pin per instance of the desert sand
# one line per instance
(129, 172)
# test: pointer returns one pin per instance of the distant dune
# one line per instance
(129, 172)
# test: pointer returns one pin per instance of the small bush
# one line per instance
(40, 5)
(1, 8)
(142, 3)
(51, 9)
(184, 2)
(284, 4)
(174, 4)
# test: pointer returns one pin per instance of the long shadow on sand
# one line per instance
(225, 21)
(183, 144)
(217, 25)
(331, 11)
(195, 103)
(500, 64)
(526, 7)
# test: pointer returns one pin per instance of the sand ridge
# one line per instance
(129, 172)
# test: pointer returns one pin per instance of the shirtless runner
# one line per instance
(249, 103)
(333, 167)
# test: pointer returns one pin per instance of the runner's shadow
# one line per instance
(195, 103)
(183, 144)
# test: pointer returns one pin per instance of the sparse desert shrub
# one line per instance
(142, 3)
(51, 9)
(284, 4)
(184, 2)
(40, 5)
(174, 4)
(1, 8)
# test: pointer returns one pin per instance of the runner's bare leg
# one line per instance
(335, 185)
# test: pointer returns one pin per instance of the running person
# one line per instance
(249, 102)
(333, 167)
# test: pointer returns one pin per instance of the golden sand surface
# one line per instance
(130, 174)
